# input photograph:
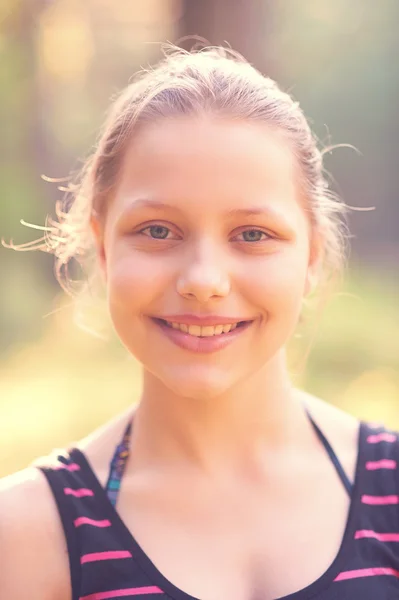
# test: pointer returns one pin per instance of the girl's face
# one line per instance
(206, 228)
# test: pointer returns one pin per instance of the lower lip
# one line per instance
(201, 345)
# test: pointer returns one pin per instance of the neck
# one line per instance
(260, 414)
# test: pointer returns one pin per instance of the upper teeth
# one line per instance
(206, 331)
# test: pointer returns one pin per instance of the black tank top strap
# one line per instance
(333, 457)
(64, 476)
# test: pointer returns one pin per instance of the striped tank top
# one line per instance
(106, 562)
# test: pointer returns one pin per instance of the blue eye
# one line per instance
(157, 232)
(254, 235)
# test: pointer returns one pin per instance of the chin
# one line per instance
(203, 384)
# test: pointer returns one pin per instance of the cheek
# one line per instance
(133, 282)
(277, 286)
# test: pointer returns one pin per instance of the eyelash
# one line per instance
(268, 236)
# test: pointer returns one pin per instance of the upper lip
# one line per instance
(201, 319)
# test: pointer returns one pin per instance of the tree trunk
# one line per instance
(244, 25)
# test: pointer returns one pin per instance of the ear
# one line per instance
(315, 262)
(97, 229)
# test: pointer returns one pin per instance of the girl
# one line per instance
(211, 222)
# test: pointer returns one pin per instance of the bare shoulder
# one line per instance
(333, 417)
(99, 446)
(340, 428)
(32, 544)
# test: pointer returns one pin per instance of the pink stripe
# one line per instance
(366, 573)
(72, 467)
(384, 463)
(95, 556)
(380, 500)
(78, 493)
(86, 521)
(382, 537)
(381, 437)
(152, 589)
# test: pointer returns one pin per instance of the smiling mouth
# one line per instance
(202, 331)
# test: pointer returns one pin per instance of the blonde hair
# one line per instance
(210, 80)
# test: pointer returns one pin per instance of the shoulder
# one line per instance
(342, 431)
(340, 428)
(32, 544)
(99, 446)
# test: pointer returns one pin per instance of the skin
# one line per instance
(206, 267)
(225, 468)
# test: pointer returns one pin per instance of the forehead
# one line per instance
(214, 162)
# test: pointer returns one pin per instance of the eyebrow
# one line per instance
(253, 211)
(146, 203)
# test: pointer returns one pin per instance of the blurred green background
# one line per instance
(61, 61)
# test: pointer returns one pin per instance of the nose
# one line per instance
(203, 279)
